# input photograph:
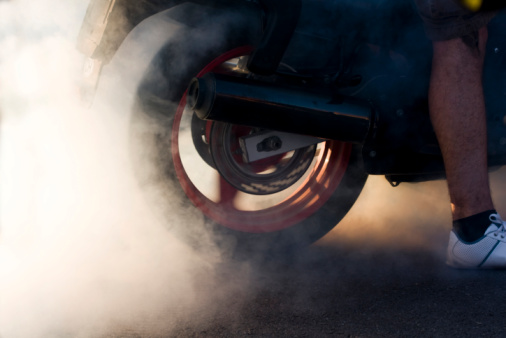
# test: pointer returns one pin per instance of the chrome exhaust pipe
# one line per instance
(295, 110)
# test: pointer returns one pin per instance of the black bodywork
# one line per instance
(119, 17)
(372, 51)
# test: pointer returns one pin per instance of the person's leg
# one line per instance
(457, 109)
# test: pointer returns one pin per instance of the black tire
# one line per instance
(153, 142)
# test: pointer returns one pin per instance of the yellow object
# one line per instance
(473, 5)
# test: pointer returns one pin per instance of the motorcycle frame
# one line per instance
(385, 150)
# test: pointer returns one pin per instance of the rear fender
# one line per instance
(108, 22)
(185, 31)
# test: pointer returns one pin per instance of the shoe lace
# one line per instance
(501, 231)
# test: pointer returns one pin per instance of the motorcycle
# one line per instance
(271, 114)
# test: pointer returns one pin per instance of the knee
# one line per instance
(466, 49)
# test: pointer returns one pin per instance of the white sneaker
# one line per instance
(488, 252)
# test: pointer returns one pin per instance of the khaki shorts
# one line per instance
(446, 20)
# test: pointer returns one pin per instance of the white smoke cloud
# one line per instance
(81, 254)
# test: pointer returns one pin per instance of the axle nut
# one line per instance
(270, 144)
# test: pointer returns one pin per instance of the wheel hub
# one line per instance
(266, 176)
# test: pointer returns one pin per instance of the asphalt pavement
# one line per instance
(370, 277)
(352, 292)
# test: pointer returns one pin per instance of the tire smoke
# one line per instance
(81, 253)
(410, 217)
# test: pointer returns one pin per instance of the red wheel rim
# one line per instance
(311, 193)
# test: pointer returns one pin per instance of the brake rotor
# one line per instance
(266, 176)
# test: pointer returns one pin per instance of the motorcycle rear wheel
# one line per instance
(202, 206)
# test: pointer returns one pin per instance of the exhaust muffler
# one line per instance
(295, 110)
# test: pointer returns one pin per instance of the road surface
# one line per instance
(365, 279)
